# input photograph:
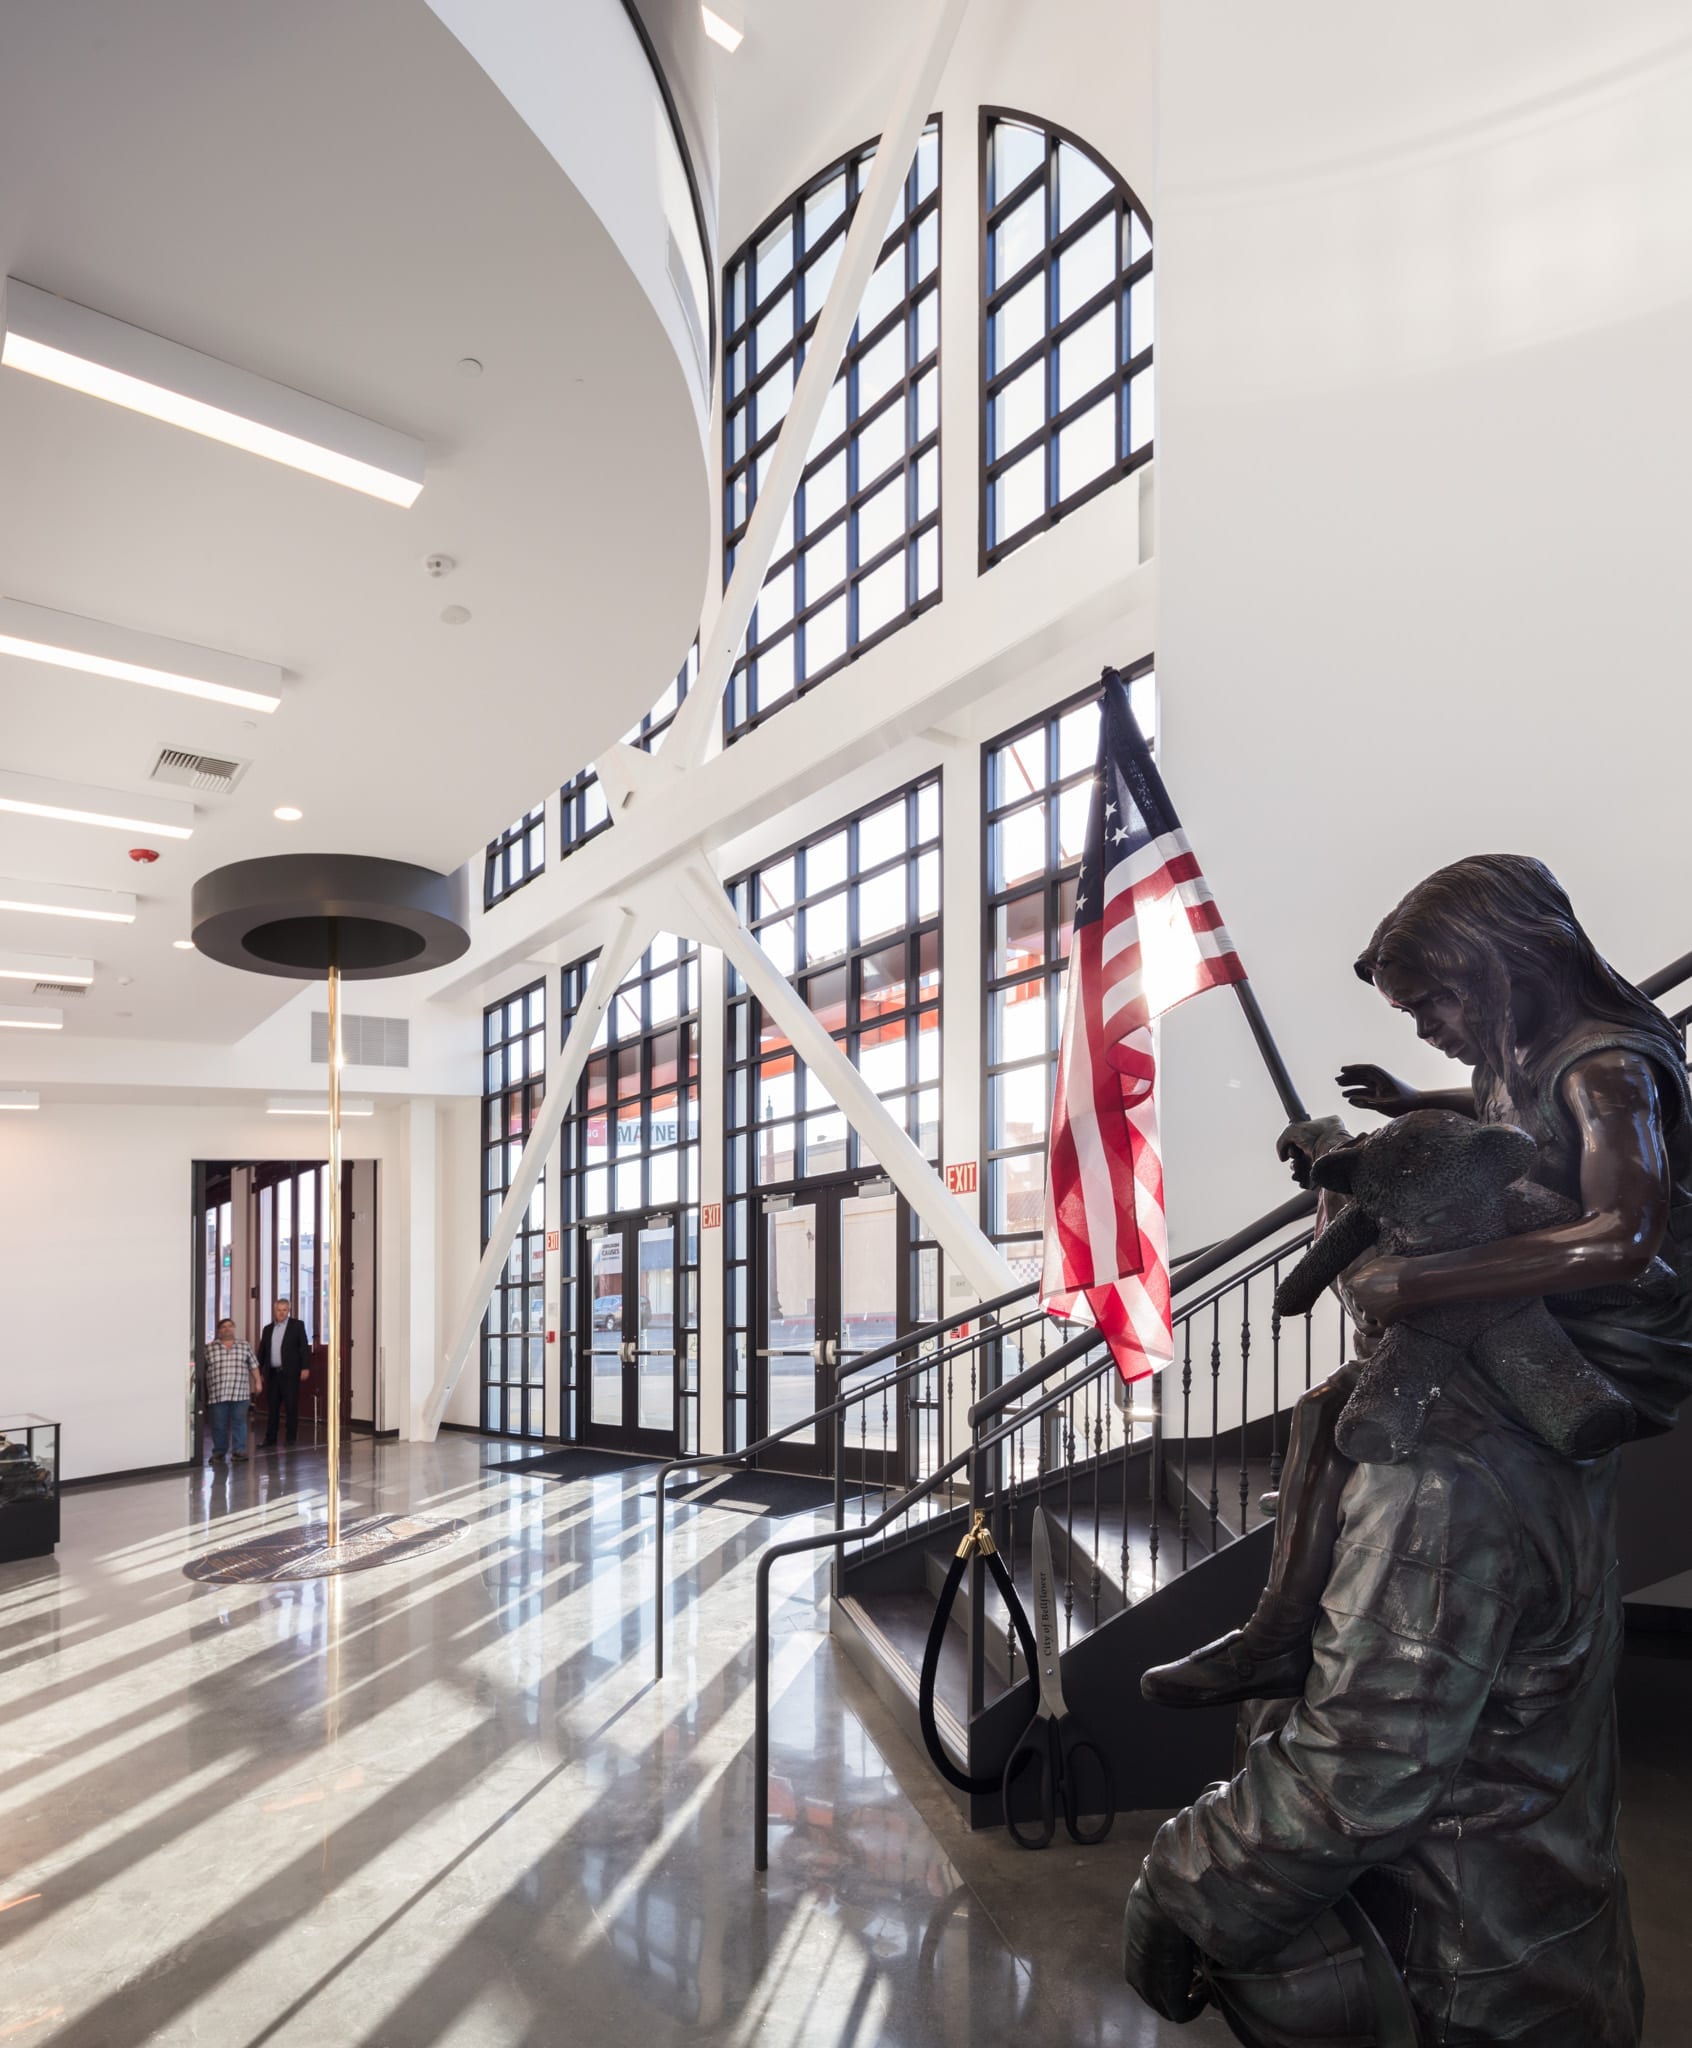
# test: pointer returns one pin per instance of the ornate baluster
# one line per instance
(1215, 1419)
(1068, 1520)
(1275, 1386)
(1245, 1400)
(863, 1459)
(1155, 1464)
(1018, 1479)
(1101, 1439)
(884, 1456)
(1186, 1437)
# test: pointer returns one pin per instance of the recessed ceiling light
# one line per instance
(722, 32)
(290, 814)
(19, 1098)
(470, 366)
(15, 1019)
(455, 615)
(45, 967)
(183, 945)
(90, 352)
(318, 1105)
(38, 796)
(63, 899)
(30, 632)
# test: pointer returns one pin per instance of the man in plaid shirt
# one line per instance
(231, 1370)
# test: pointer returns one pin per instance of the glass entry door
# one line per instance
(831, 1290)
(631, 1341)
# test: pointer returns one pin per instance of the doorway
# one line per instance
(832, 1287)
(260, 1232)
(631, 1339)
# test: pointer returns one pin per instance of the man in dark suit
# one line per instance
(284, 1354)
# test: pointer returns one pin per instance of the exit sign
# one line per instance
(711, 1216)
(552, 1240)
(962, 1179)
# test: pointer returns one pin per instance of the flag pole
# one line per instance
(1291, 1102)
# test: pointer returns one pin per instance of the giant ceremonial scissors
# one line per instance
(1051, 1740)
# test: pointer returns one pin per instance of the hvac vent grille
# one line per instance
(197, 771)
(365, 1041)
(60, 988)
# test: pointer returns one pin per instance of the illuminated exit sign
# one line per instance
(963, 1179)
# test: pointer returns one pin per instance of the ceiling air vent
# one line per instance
(60, 988)
(365, 1041)
(197, 771)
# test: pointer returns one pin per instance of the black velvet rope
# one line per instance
(931, 1660)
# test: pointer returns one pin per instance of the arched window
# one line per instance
(859, 553)
(1067, 328)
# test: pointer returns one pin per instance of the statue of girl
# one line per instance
(1489, 960)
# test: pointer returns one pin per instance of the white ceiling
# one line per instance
(334, 197)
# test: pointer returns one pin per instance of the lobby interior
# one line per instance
(676, 478)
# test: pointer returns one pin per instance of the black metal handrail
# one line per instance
(835, 1410)
(835, 1539)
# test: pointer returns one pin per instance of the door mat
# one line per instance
(573, 1464)
(755, 1493)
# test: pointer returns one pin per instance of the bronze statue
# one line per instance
(1435, 1181)
(1449, 1623)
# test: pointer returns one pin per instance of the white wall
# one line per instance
(96, 1264)
(1425, 304)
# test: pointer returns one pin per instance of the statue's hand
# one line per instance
(1302, 1143)
(1159, 1961)
(1371, 1087)
(1378, 1290)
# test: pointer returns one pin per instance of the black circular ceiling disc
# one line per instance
(281, 914)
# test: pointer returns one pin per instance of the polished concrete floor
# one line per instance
(443, 1802)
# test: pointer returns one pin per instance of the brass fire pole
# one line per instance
(334, 1207)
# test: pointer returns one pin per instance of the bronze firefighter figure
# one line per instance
(1442, 1623)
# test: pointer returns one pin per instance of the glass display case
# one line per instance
(29, 1486)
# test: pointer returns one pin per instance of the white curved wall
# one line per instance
(1426, 301)
(580, 79)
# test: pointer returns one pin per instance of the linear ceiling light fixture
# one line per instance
(722, 32)
(13, 1017)
(29, 632)
(318, 1105)
(64, 899)
(76, 803)
(19, 1098)
(46, 967)
(90, 352)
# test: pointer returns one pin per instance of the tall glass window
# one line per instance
(514, 1329)
(1067, 313)
(852, 916)
(1039, 787)
(630, 1143)
(859, 550)
(583, 813)
(515, 857)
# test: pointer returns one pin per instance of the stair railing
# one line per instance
(1030, 1407)
(889, 1388)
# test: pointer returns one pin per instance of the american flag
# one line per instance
(1147, 935)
